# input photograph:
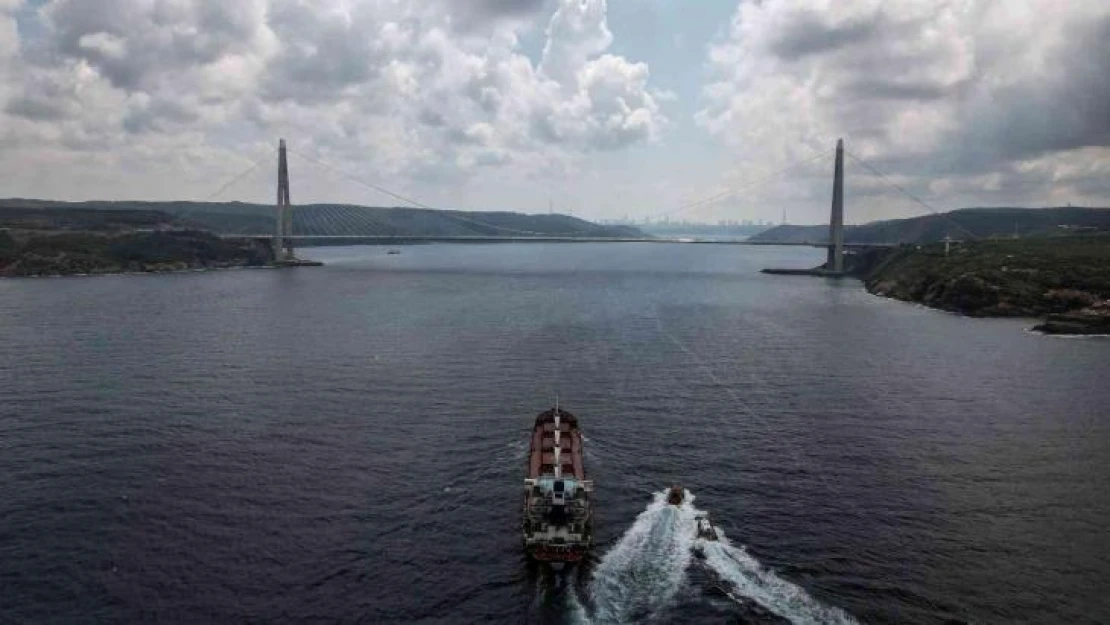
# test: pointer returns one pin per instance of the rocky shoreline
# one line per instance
(148, 271)
(1065, 280)
(1094, 320)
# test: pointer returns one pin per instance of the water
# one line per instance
(346, 444)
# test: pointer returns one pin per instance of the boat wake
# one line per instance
(752, 583)
(640, 576)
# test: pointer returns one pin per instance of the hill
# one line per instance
(53, 219)
(344, 219)
(74, 252)
(1066, 279)
(967, 223)
(1016, 277)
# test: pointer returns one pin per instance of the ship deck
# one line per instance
(542, 456)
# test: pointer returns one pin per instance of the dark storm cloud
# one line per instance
(1064, 109)
(36, 108)
(496, 8)
(1067, 109)
(808, 34)
(967, 99)
(474, 13)
(897, 89)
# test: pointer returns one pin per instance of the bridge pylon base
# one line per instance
(817, 272)
(297, 262)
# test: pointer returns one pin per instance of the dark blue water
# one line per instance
(346, 444)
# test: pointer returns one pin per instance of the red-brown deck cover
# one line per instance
(542, 456)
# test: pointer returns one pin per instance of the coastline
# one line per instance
(27, 253)
(1061, 284)
(150, 272)
(1064, 282)
(1033, 324)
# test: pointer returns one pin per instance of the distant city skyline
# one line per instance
(648, 221)
(708, 111)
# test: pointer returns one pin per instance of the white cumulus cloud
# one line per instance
(437, 97)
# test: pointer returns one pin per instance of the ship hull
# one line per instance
(558, 521)
(557, 554)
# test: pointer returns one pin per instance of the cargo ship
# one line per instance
(557, 517)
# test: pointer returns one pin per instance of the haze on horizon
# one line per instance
(605, 110)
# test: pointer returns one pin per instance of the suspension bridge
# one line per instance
(284, 239)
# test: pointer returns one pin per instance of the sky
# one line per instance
(703, 110)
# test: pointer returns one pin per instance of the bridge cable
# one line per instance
(444, 212)
(374, 187)
(748, 184)
(912, 196)
(944, 215)
(239, 177)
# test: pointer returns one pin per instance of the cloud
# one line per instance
(409, 91)
(135, 42)
(481, 103)
(806, 32)
(577, 32)
(479, 11)
(1060, 102)
(928, 91)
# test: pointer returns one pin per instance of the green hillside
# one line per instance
(342, 219)
(967, 223)
(70, 252)
(1023, 277)
(39, 218)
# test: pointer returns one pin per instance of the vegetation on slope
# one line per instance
(968, 224)
(37, 218)
(338, 219)
(30, 253)
(1028, 277)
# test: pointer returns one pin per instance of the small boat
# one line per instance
(393, 252)
(675, 496)
(558, 523)
(706, 531)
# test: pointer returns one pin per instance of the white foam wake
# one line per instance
(641, 575)
(643, 572)
(751, 581)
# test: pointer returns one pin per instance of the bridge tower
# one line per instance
(283, 217)
(835, 262)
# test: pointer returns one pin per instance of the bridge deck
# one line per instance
(540, 239)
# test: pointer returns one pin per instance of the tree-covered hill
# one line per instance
(344, 219)
(966, 224)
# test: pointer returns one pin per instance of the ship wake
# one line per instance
(640, 576)
(751, 582)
